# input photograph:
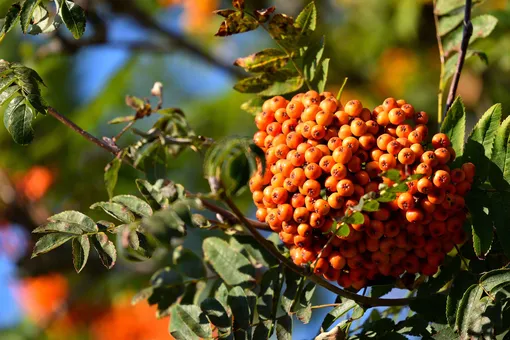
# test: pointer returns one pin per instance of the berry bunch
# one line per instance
(323, 157)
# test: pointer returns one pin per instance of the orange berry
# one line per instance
(421, 117)
(396, 116)
(295, 109)
(383, 141)
(442, 155)
(441, 179)
(345, 188)
(414, 215)
(389, 103)
(339, 171)
(387, 162)
(358, 127)
(440, 140)
(342, 154)
(313, 155)
(406, 156)
(353, 108)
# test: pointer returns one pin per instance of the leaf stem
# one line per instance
(466, 35)
(269, 246)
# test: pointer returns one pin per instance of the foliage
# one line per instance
(235, 286)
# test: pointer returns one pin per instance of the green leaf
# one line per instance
(282, 29)
(289, 296)
(393, 175)
(482, 231)
(238, 302)
(18, 118)
(500, 215)
(270, 281)
(380, 290)
(495, 280)
(387, 196)
(448, 271)
(454, 125)
(190, 321)
(446, 6)
(481, 140)
(75, 217)
(465, 311)
(428, 306)
(27, 13)
(81, 250)
(307, 19)
(62, 227)
(105, 249)
(448, 23)
(483, 25)
(73, 17)
(283, 86)
(8, 93)
(486, 128)
(216, 313)
(111, 175)
(263, 330)
(134, 204)
(398, 187)
(371, 206)
(460, 284)
(255, 251)
(115, 210)
(265, 60)
(156, 194)
(356, 218)
(120, 120)
(236, 22)
(499, 171)
(304, 309)
(337, 312)
(187, 262)
(165, 225)
(321, 77)
(252, 84)
(231, 266)
(44, 21)
(252, 106)
(284, 328)
(49, 242)
(312, 58)
(10, 19)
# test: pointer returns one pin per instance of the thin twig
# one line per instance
(466, 35)
(110, 148)
(269, 246)
(441, 75)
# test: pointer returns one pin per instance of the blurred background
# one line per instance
(386, 48)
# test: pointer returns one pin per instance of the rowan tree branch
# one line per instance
(466, 35)
(442, 84)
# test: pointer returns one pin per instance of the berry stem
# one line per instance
(466, 35)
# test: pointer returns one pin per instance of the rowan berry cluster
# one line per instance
(322, 157)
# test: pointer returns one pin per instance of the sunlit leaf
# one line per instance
(49, 242)
(235, 23)
(448, 23)
(10, 19)
(63, 227)
(284, 328)
(337, 312)
(216, 313)
(105, 249)
(18, 118)
(111, 175)
(499, 171)
(75, 217)
(190, 321)
(74, 17)
(268, 59)
(27, 13)
(116, 210)
(454, 125)
(304, 308)
(483, 25)
(134, 204)
(81, 249)
(306, 21)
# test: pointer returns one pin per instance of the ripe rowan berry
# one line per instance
(389, 104)
(406, 156)
(351, 143)
(383, 141)
(318, 132)
(469, 171)
(403, 130)
(353, 108)
(345, 187)
(442, 155)
(396, 116)
(405, 201)
(414, 215)
(440, 140)
(321, 266)
(425, 185)
(441, 179)
(394, 147)
(313, 171)
(358, 127)
(387, 162)
(294, 109)
(285, 212)
(336, 260)
(293, 139)
(423, 169)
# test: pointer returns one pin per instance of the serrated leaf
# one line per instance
(495, 280)
(231, 266)
(156, 194)
(111, 175)
(10, 19)
(27, 13)
(187, 262)
(466, 308)
(238, 302)
(500, 215)
(268, 59)
(216, 313)
(356, 218)
(283, 86)
(454, 125)
(8, 93)
(18, 118)
(282, 29)
(289, 296)
(460, 283)
(485, 129)
(371, 206)
(499, 171)
(263, 15)
(337, 312)
(387, 196)
(448, 23)
(267, 293)
(116, 210)
(49, 242)
(75, 217)
(252, 84)
(483, 25)
(393, 175)
(255, 251)
(284, 328)
(73, 17)
(304, 309)
(307, 19)
(44, 21)
(81, 250)
(236, 23)
(55, 227)
(105, 249)
(482, 231)
(190, 321)
(321, 78)
(446, 6)
(312, 58)
(134, 204)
